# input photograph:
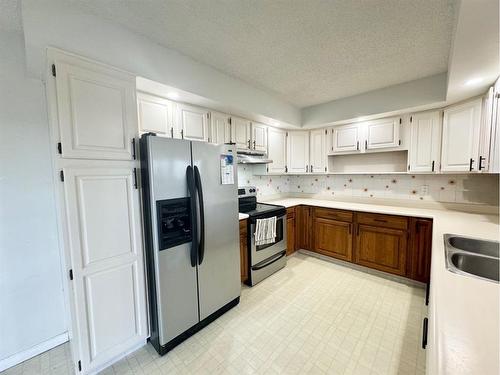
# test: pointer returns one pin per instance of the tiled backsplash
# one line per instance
(445, 188)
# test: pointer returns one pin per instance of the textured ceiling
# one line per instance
(10, 15)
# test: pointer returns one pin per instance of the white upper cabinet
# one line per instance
(298, 151)
(241, 133)
(461, 128)
(425, 142)
(155, 115)
(277, 151)
(220, 128)
(346, 138)
(318, 154)
(494, 163)
(383, 133)
(97, 110)
(193, 122)
(259, 137)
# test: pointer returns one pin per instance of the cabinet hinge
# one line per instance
(399, 142)
(135, 178)
(400, 121)
(230, 120)
(59, 148)
(286, 169)
(287, 134)
(61, 175)
(408, 166)
(54, 70)
(79, 365)
(71, 274)
(267, 169)
(411, 118)
(325, 169)
(326, 131)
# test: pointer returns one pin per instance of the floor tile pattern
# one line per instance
(313, 317)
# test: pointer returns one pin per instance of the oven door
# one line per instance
(263, 252)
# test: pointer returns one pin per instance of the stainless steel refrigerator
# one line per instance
(190, 204)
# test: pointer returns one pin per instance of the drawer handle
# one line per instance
(380, 220)
(424, 333)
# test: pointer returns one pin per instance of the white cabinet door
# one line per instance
(486, 131)
(317, 154)
(106, 259)
(277, 150)
(97, 110)
(193, 122)
(346, 138)
(460, 146)
(259, 137)
(425, 142)
(241, 133)
(494, 163)
(155, 115)
(220, 128)
(298, 152)
(383, 133)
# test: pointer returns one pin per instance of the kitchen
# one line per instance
(198, 207)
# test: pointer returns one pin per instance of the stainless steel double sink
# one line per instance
(472, 257)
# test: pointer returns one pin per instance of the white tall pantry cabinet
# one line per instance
(93, 116)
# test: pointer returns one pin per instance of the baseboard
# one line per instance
(33, 351)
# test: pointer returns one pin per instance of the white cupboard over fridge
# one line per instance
(425, 142)
(193, 122)
(241, 129)
(156, 115)
(220, 128)
(298, 152)
(277, 150)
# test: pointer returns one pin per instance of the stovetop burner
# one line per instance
(248, 204)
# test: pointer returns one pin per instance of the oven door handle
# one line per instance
(201, 245)
(269, 261)
(194, 219)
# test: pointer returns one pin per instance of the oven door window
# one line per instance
(279, 235)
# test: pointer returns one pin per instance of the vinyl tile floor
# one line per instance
(313, 317)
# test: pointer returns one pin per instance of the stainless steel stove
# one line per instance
(264, 260)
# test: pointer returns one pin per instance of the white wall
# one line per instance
(32, 309)
(419, 93)
(56, 23)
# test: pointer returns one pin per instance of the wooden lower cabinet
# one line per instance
(419, 264)
(243, 251)
(381, 248)
(303, 227)
(290, 230)
(333, 238)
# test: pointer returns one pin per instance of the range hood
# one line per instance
(253, 157)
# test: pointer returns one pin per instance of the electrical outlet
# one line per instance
(424, 189)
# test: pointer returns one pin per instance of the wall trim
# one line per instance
(33, 351)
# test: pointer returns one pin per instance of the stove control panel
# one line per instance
(247, 191)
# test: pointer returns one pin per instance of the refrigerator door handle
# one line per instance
(199, 188)
(194, 220)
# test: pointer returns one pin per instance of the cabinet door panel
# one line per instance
(318, 157)
(421, 245)
(155, 115)
(220, 128)
(346, 138)
(333, 238)
(461, 125)
(259, 137)
(425, 142)
(383, 249)
(96, 111)
(382, 133)
(193, 122)
(298, 152)
(241, 133)
(277, 150)
(290, 236)
(243, 251)
(303, 227)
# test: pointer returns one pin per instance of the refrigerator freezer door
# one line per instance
(175, 284)
(219, 271)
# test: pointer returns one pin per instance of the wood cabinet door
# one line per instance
(383, 249)
(460, 146)
(193, 122)
(259, 137)
(333, 238)
(420, 249)
(220, 128)
(425, 142)
(382, 133)
(241, 133)
(298, 152)
(346, 138)
(97, 110)
(290, 230)
(317, 154)
(303, 227)
(243, 251)
(155, 115)
(277, 150)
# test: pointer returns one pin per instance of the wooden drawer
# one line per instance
(385, 221)
(333, 214)
(290, 213)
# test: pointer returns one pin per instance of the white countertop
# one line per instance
(243, 216)
(463, 336)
